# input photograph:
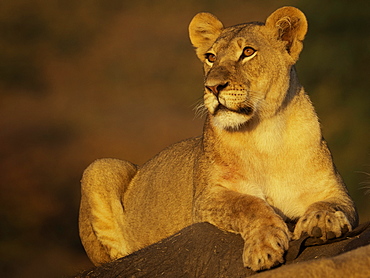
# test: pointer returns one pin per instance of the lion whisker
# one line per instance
(200, 109)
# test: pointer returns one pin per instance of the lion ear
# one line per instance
(290, 25)
(204, 29)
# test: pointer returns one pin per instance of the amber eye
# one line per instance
(248, 51)
(211, 57)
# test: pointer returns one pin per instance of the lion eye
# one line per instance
(211, 58)
(248, 51)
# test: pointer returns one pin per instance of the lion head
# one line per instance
(247, 67)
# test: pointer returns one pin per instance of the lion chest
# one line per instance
(280, 183)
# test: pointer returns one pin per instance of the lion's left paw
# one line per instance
(322, 224)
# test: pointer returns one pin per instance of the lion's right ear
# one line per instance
(204, 29)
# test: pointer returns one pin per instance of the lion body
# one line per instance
(169, 202)
(260, 162)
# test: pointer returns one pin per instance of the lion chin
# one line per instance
(230, 119)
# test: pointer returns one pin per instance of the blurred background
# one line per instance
(81, 80)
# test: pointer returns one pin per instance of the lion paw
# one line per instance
(265, 247)
(322, 224)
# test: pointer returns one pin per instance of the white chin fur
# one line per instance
(229, 120)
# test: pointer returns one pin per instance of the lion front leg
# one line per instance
(101, 218)
(266, 235)
(326, 220)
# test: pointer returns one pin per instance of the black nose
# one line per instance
(216, 89)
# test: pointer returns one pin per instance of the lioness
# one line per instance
(261, 161)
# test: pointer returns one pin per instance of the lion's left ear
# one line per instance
(290, 25)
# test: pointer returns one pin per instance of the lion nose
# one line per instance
(216, 89)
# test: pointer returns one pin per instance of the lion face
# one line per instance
(247, 67)
(240, 72)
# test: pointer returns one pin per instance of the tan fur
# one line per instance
(261, 159)
(101, 209)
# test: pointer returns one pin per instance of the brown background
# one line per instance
(81, 80)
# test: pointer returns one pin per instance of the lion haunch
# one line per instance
(260, 162)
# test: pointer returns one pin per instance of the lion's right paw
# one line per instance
(265, 246)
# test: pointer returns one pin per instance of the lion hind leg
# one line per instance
(101, 219)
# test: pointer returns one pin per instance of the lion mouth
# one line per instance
(245, 110)
(241, 110)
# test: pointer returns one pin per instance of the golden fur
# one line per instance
(261, 160)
